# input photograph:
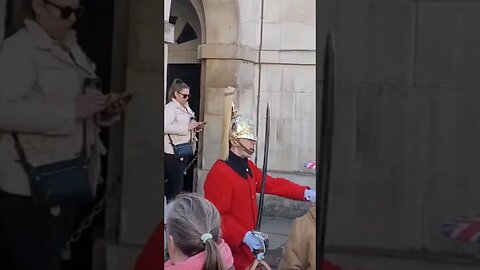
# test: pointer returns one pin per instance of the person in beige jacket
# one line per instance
(42, 71)
(299, 252)
(180, 127)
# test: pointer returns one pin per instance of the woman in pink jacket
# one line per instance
(193, 236)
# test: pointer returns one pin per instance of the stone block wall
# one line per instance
(407, 127)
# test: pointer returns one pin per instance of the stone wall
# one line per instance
(286, 70)
(407, 122)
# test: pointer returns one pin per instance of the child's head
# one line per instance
(193, 226)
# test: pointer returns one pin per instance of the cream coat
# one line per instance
(39, 83)
(177, 118)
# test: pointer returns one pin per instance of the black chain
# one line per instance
(98, 208)
(192, 161)
(88, 221)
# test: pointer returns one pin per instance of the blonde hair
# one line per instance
(189, 217)
(177, 86)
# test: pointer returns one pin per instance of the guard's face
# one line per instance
(250, 145)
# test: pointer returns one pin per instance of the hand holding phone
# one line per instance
(116, 104)
(200, 126)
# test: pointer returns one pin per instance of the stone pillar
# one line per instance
(142, 170)
(236, 65)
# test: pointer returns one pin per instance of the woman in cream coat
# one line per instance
(181, 127)
(42, 71)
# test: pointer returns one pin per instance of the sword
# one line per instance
(264, 172)
(324, 145)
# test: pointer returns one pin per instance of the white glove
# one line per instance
(310, 195)
(255, 245)
(251, 241)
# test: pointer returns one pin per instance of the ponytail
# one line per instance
(194, 224)
(177, 86)
(213, 259)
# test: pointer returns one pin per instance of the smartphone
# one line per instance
(110, 110)
(200, 126)
(125, 97)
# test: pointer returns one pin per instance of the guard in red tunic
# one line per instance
(232, 186)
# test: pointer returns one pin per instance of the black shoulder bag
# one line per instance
(63, 182)
(184, 150)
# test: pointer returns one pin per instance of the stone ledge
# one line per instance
(227, 51)
(249, 54)
(274, 206)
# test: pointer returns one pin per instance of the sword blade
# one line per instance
(264, 172)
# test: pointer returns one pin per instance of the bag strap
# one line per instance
(170, 138)
(23, 157)
(173, 145)
(21, 152)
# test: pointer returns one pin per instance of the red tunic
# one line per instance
(236, 199)
(151, 258)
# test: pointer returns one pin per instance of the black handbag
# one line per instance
(63, 182)
(182, 150)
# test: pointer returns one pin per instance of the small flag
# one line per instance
(310, 165)
(463, 229)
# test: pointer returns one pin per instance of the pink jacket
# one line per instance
(196, 262)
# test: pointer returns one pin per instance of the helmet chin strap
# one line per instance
(238, 144)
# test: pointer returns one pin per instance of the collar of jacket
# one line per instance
(178, 105)
(239, 165)
(42, 40)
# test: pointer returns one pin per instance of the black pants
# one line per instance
(174, 173)
(32, 238)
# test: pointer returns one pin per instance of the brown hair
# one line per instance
(188, 219)
(176, 86)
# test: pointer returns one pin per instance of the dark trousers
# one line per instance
(32, 238)
(174, 174)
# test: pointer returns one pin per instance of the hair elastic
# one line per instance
(205, 237)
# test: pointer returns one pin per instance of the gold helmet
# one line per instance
(242, 128)
(235, 126)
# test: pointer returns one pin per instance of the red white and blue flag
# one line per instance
(463, 229)
(310, 165)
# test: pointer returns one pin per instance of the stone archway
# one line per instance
(225, 61)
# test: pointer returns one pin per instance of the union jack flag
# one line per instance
(463, 229)
(310, 165)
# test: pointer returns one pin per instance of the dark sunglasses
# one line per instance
(66, 12)
(184, 95)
